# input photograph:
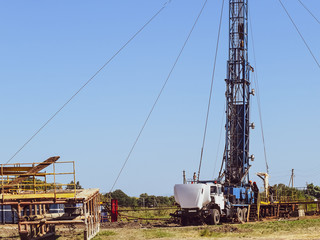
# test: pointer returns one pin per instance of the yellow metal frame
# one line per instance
(31, 187)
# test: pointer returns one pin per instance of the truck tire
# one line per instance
(184, 221)
(239, 215)
(215, 216)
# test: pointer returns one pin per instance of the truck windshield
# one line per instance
(213, 189)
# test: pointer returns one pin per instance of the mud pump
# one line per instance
(230, 196)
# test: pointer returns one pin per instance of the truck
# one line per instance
(211, 202)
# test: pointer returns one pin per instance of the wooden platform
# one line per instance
(81, 207)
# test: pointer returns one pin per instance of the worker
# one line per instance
(271, 192)
(241, 34)
(255, 190)
(249, 186)
(194, 177)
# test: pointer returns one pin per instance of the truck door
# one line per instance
(219, 197)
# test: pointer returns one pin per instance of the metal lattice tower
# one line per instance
(237, 96)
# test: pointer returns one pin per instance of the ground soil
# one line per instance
(306, 228)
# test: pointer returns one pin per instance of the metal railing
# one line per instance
(33, 183)
(287, 195)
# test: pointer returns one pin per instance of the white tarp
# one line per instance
(192, 195)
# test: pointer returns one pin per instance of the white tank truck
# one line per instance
(206, 202)
(200, 202)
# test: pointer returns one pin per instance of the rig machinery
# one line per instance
(230, 195)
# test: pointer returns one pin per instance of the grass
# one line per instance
(307, 228)
(152, 214)
(157, 233)
(282, 226)
(272, 229)
(104, 234)
(288, 229)
(209, 233)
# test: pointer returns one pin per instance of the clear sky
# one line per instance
(50, 48)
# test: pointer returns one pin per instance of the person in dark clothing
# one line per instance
(255, 190)
(241, 34)
(194, 177)
(271, 192)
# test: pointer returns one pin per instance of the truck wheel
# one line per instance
(240, 214)
(244, 214)
(184, 221)
(215, 217)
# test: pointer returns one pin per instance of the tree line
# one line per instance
(311, 191)
(144, 200)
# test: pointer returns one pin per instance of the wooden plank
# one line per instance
(20, 169)
(86, 193)
(37, 195)
(248, 213)
(12, 173)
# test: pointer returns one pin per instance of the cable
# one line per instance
(299, 33)
(90, 79)
(221, 127)
(210, 95)
(160, 93)
(309, 11)
(256, 82)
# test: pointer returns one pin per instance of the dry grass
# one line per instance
(286, 229)
(308, 228)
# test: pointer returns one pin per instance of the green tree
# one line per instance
(123, 199)
(313, 191)
(284, 192)
(71, 185)
(144, 200)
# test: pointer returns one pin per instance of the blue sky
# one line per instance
(50, 48)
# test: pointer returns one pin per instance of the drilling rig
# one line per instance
(236, 156)
(229, 196)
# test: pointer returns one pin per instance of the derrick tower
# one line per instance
(236, 154)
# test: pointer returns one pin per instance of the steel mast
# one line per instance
(236, 154)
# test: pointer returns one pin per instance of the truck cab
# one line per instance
(201, 201)
(217, 196)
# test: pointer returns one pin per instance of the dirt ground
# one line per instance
(306, 228)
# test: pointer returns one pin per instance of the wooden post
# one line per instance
(54, 180)
(30, 210)
(306, 208)
(2, 184)
(35, 209)
(34, 181)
